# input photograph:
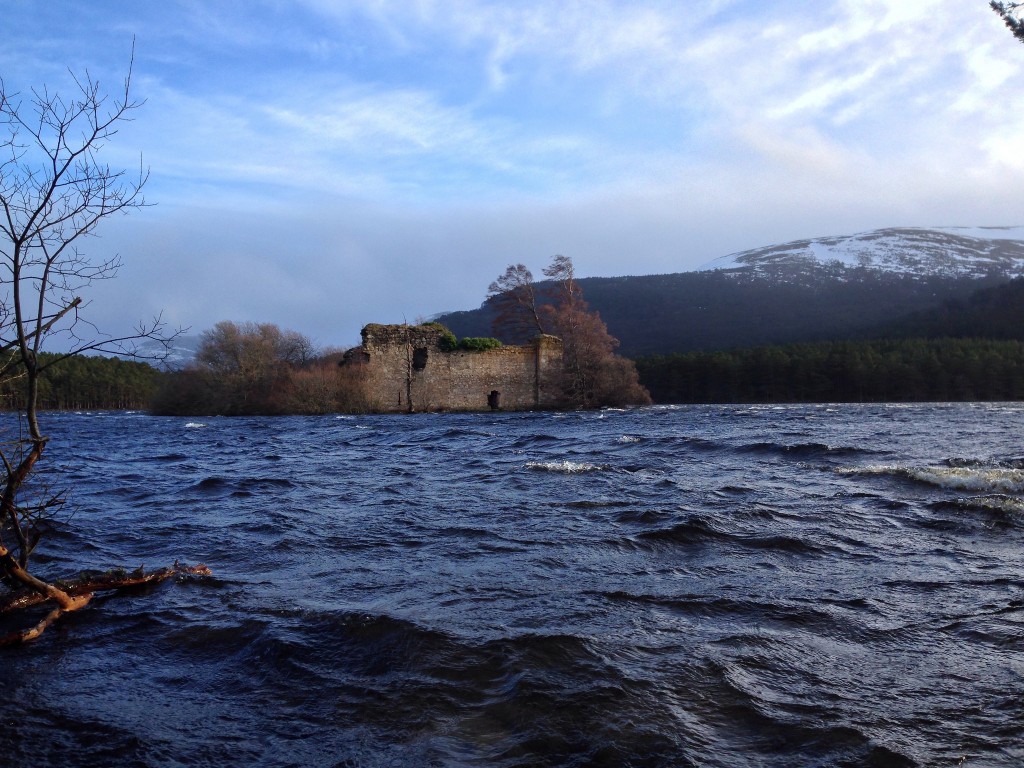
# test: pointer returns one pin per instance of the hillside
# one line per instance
(829, 288)
(992, 313)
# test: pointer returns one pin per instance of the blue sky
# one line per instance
(324, 164)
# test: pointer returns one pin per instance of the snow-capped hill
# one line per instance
(945, 251)
(179, 354)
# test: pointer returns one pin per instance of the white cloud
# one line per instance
(398, 154)
(396, 122)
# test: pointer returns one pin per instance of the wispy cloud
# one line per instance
(310, 143)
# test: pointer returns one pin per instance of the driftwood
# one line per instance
(81, 590)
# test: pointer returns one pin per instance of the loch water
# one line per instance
(828, 585)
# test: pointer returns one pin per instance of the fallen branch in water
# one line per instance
(81, 591)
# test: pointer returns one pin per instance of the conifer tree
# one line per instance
(1008, 12)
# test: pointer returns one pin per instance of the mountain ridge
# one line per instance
(807, 290)
(950, 251)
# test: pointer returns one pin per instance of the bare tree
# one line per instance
(251, 350)
(563, 273)
(54, 192)
(1008, 12)
(593, 375)
(248, 366)
(514, 296)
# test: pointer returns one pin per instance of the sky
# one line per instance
(323, 164)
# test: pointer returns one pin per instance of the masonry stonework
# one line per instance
(408, 370)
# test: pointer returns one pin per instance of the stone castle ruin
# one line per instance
(412, 368)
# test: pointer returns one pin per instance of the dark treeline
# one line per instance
(903, 370)
(843, 371)
(87, 383)
(700, 311)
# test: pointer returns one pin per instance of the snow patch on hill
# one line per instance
(947, 251)
(180, 352)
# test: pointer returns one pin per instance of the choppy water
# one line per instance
(698, 586)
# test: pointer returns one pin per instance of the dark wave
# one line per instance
(778, 724)
(170, 457)
(645, 516)
(246, 486)
(530, 441)
(840, 620)
(212, 484)
(806, 450)
(698, 531)
(455, 434)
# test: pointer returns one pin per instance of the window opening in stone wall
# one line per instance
(419, 358)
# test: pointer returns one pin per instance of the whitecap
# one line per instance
(996, 503)
(195, 425)
(972, 478)
(567, 467)
(961, 478)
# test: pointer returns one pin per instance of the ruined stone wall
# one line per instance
(407, 366)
